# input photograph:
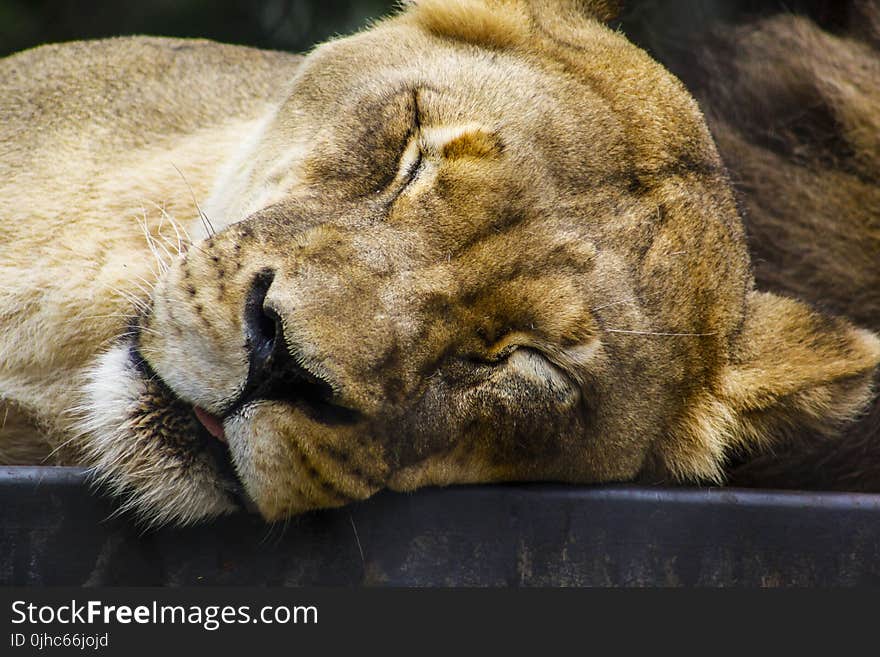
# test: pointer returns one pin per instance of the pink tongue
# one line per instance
(211, 423)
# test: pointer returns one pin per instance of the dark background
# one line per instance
(281, 24)
(662, 27)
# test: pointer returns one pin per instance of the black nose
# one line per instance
(273, 373)
(262, 325)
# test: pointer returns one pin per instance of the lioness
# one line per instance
(482, 241)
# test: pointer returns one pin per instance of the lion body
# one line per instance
(802, 142)
(96, 139)
(473, 283)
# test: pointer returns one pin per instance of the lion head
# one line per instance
(482, 241)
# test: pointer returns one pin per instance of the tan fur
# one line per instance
(496, 239)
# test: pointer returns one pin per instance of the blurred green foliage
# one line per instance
(664, 27)
(293, 25)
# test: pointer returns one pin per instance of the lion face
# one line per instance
(472, 245)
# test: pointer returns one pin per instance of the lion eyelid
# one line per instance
(412, 169)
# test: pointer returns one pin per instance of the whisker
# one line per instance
(178, 247)
(143, 224)
(82, 318)
(185, 240)
(142, 288)
(177, 228)
(205, 221)
(660, 333)
(131, 298)
(145, 282)
(138, 303)
(186, 236)
(167, 252)
(613, 303)
(357, 539)
(60, 447)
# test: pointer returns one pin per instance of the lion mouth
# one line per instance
(209, 434)
(218, 446)
(217, 449)
(212, 423)
(206, 439)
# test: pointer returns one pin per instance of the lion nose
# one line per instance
(262, 326)
(274, 373)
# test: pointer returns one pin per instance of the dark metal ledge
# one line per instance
(53, 531)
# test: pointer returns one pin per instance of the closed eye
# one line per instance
(411, 165)
(411, 159)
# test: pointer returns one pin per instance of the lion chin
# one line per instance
(147, 448)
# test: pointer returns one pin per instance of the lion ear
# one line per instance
(793, 370)
(507, 24)
(603, 10)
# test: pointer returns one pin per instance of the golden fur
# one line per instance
(484, 240)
